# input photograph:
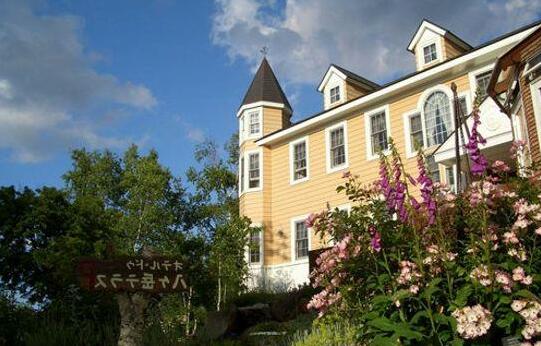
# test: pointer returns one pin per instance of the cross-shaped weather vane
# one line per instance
(264, 50)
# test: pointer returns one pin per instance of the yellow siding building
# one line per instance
(289, 170)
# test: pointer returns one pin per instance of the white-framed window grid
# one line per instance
(377, 124)
(301, 242)
(251, 124)
(430, 53)
(334, 94)
(299, 160)
(336, 138)
(535, 90)
(255, 249)
(474, 77)
(251, 171)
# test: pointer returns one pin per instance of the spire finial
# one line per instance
(264, 51)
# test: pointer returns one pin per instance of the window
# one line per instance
(437, 118)
(482, 80)
(463, 104)
(433, 169)
(335, 94)
(416, 131)
(255, 246)
(378, 132)
(301, 240)
(337, 149)
(254, 123)
(253, 172)
(430, 53)
(299, 160)
(241, 174)
(450, 177)
(241, 128)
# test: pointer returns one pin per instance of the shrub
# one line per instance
(415, 263)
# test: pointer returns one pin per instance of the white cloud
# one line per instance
(368, 37)
(51, 96)
(192, 133)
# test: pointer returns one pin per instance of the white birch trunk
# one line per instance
(132, 308)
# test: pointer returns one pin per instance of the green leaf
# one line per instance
(382, 323)
(463, 294)
(384, 341)
(457, 342)
(525, 294)
(418, 316)
(403, 330)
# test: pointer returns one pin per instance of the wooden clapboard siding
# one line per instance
(450, 49)
(528, 52)
(353, 91)
(283, 201)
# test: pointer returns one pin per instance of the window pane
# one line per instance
(482, 83)
(429, 53)
(433, 169)
(253, 174)
(337, 150)
(301, 240)
(450, 178)
(254, 123)
(437, 118)
(416, 131)
(299, 161)
(463, 105)
(242, 174)
(335, 94)
(255, 246)
(378, 132)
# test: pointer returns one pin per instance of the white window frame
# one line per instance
(328, 131)
(247, 171)
(421, 52)
(293, 236)
(261, 246)
(421, 107)
(248, 126)
(368, 130)
(472, 77)
(244, 124)
(339, 87)
(407, 126)
(292, 144)
(424, 54)
(536, 100)
(242, 174)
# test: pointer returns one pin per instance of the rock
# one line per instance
(219, 323)
(251, 315)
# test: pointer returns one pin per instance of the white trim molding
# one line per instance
(294, 220)
(292, 180)
(261, 247)
(410, 152)
(260, 104)
(328, 130)
(330, 71)
(370, 155)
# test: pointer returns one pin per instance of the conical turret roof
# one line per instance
(265, 87)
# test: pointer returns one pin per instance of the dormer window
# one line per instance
(430, 53)
(335, 94)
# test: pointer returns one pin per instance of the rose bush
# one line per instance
(414, 263)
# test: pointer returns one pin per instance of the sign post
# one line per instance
(132, 279)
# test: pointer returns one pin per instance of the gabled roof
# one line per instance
(346, 74)
(426, 24)
(265, 87)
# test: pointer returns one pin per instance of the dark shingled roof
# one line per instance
(357, 78)
(265, 87)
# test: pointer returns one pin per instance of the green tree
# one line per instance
(216, 195)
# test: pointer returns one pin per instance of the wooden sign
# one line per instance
(134, 274)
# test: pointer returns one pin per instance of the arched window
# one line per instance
(437, 113)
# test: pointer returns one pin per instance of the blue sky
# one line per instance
(166, 74)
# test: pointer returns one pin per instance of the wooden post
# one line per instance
(458, 126)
